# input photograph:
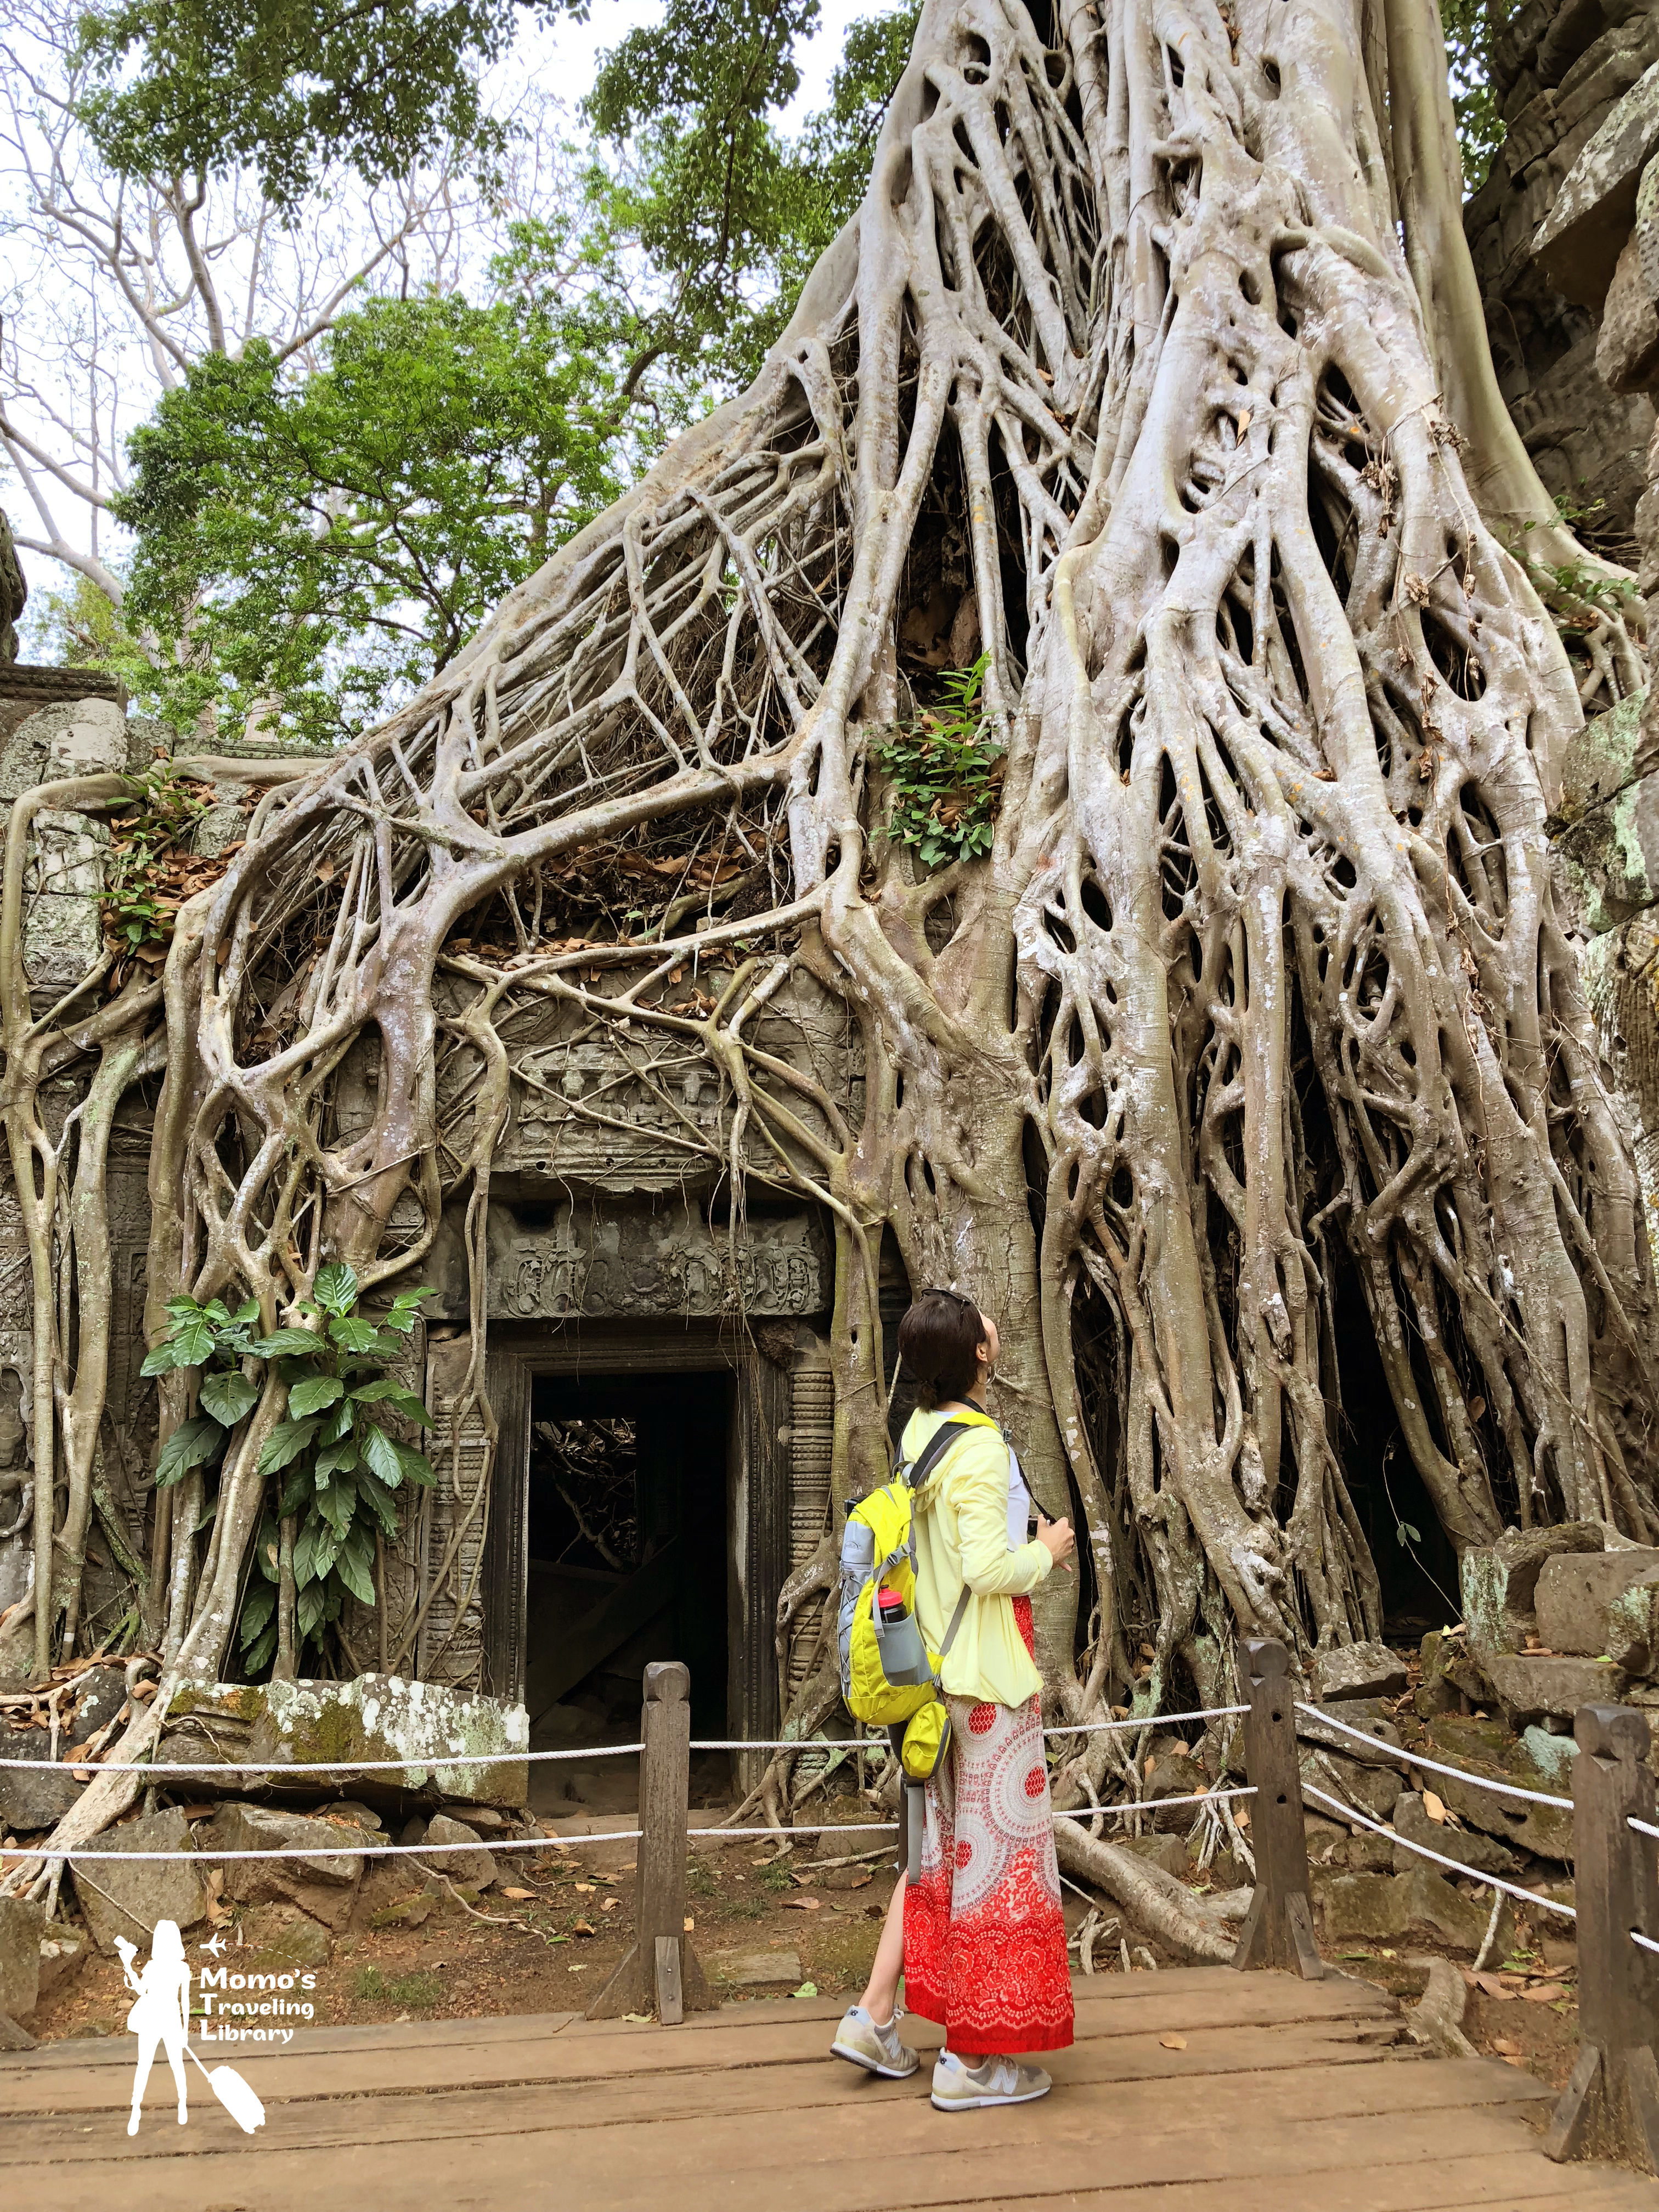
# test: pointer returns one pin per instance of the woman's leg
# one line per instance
(881, 1991)
(147, 2041)
(175, 2047)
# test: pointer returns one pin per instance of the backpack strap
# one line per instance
(956, 1622)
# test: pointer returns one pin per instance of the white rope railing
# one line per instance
(1644, 1942)
(198, 1768)
(1434, 1765)
(1146, 1720)
(210, 1856)
(1458, 1866)
(1149, 1804)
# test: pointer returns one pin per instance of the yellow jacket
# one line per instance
(962, 1535)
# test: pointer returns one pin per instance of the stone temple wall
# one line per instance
(1558, 69)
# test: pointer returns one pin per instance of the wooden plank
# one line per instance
(578, 2057)
(956, 2169)
(317, 2089)
(1522, 2181)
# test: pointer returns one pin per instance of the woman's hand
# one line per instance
(1057, 1538)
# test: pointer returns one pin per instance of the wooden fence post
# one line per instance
(1278, 1931)
(1610, 2106)
(660, 1971)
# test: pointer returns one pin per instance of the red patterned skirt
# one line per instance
(984, 1934)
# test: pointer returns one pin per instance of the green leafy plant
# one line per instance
(339, 1466)
(946, 770)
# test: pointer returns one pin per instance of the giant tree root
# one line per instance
(1158, 1904)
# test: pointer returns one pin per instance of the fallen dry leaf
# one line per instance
(1504, 2047)
(518, 1896)
(1492, 1987)
(803, 1904)
(691, 1923)
(1434, 1807)
(582, 1927)
(611, 1904)
(1173, 2042)
(1544, 1993)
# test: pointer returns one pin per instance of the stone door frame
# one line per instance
(758, 1487)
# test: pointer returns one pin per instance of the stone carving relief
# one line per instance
(671, 1262)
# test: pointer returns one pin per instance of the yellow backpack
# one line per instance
(889, 1677)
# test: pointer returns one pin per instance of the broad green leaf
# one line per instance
(337, 1505)
(335, 1459)
(371, 1393)
(192, 1342)
(257, 1609)
(228, 1395)
(337, 1288)
(416, 1467)
(162, 1360)
(298, 1342)
(407, 1301)
(304, 1545)
(381, 1454)
(311, 1397)
(217, 1312)
(245, 1313)
(355, 1577)
(263, 1651)
(285, 1443)
(358, 1335)
(324, 1550)
(339, 1424)
(380, 1503)
(192, 1443)
(310, 1608)
(296, 1492)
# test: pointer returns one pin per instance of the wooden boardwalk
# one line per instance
(1287, 2097)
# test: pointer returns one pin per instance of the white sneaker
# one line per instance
(877, 2049)
(959, 2087)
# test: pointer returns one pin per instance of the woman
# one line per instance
(160, 2012)
(980, 1935)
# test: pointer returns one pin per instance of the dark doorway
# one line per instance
(629, 1548)
(1416, 1565)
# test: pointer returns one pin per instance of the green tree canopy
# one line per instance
(323, 541)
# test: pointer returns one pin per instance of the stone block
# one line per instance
(21, 1927)
(1580, 1606)
(1357, 1670)
(1485, 1748)
(1578, 243)
(31, 1801)
(1382, 1907)
(1372, 1788)
(1552, 1755)
(1530, 1689)
(765, 1968)
(1498, 1585)
(1451, 1683)
(1365, 1715)
(1611, 855)
(121, 1901)
(476, 1869)
(1168, 1852)
(1482, 1852)
(326, 1887)
(63, 1952)
(1600, 759)
(368, 1717)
